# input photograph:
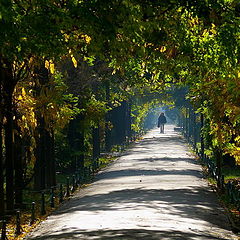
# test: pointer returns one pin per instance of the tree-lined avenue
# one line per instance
(155, 190)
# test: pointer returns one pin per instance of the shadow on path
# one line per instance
(193, 203)
(137, 172)
(128, 234)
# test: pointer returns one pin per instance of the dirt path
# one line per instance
(154, 191)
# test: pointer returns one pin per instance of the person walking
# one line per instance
(161, 121)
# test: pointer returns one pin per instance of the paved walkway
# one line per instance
(154, 191)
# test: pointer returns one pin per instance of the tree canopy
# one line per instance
(92, 65)
(153, 45)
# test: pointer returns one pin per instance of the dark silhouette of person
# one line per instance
(161, 121)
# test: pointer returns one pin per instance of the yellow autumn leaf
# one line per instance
(163, 49)
(238, 74)
(213, 29)
(205, 33)
(237, 139)
(20, 97)
(66, 37)
(74, 61)
(18, 65)
(23, 92)
(46, 64)
(214, 32)
(86, 38)
(50, 66)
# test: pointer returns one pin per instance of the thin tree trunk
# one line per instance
(8, 85)
(39, 170)
(96, 142)
(82, 150)
(9, 155)
(121, 123)
(129, 122)
(219, 159)
(53, 162)
(194, 131)
(107, 119)
(76, 142)
(40, 165)
(2, 204)
(18, 167)
(187, 124)
(1, 172)
(202, 137)
(184, 124)
(108, 144)
(190, 114)
(50, 160)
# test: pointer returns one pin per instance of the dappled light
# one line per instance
(143, 195)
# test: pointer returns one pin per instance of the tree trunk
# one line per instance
(1, 170)
(202, 137)
(53, 162)
(18, 167)
(40, 165)
(129, 122)
(39, 170)
(124, 119)
(76, 142)
(8, 86)
(9, 154)
(184, 124)
(119, 122)
(187, 124)
(190, 114)
(50, 159)
(2, 204)
(194, 131)
(219, 159)
(81, 158)
(107, 119)
(108, 144)
(96, 142)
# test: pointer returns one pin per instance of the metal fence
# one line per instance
(49, 198)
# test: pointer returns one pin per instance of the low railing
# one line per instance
(49, 197)
(230, 188)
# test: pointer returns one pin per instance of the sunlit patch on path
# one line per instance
(154, 191)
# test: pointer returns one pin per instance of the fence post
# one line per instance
(60, 193)
(97, 163)
(85, 174)
(4, 230)
(18, 223)
(52, 198)
(89, 172)
(222, 181)
(43, 211)
(73, 183)
(68, 188)
(32, 213)
(77, 178)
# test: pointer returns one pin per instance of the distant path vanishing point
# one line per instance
(155, 190)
